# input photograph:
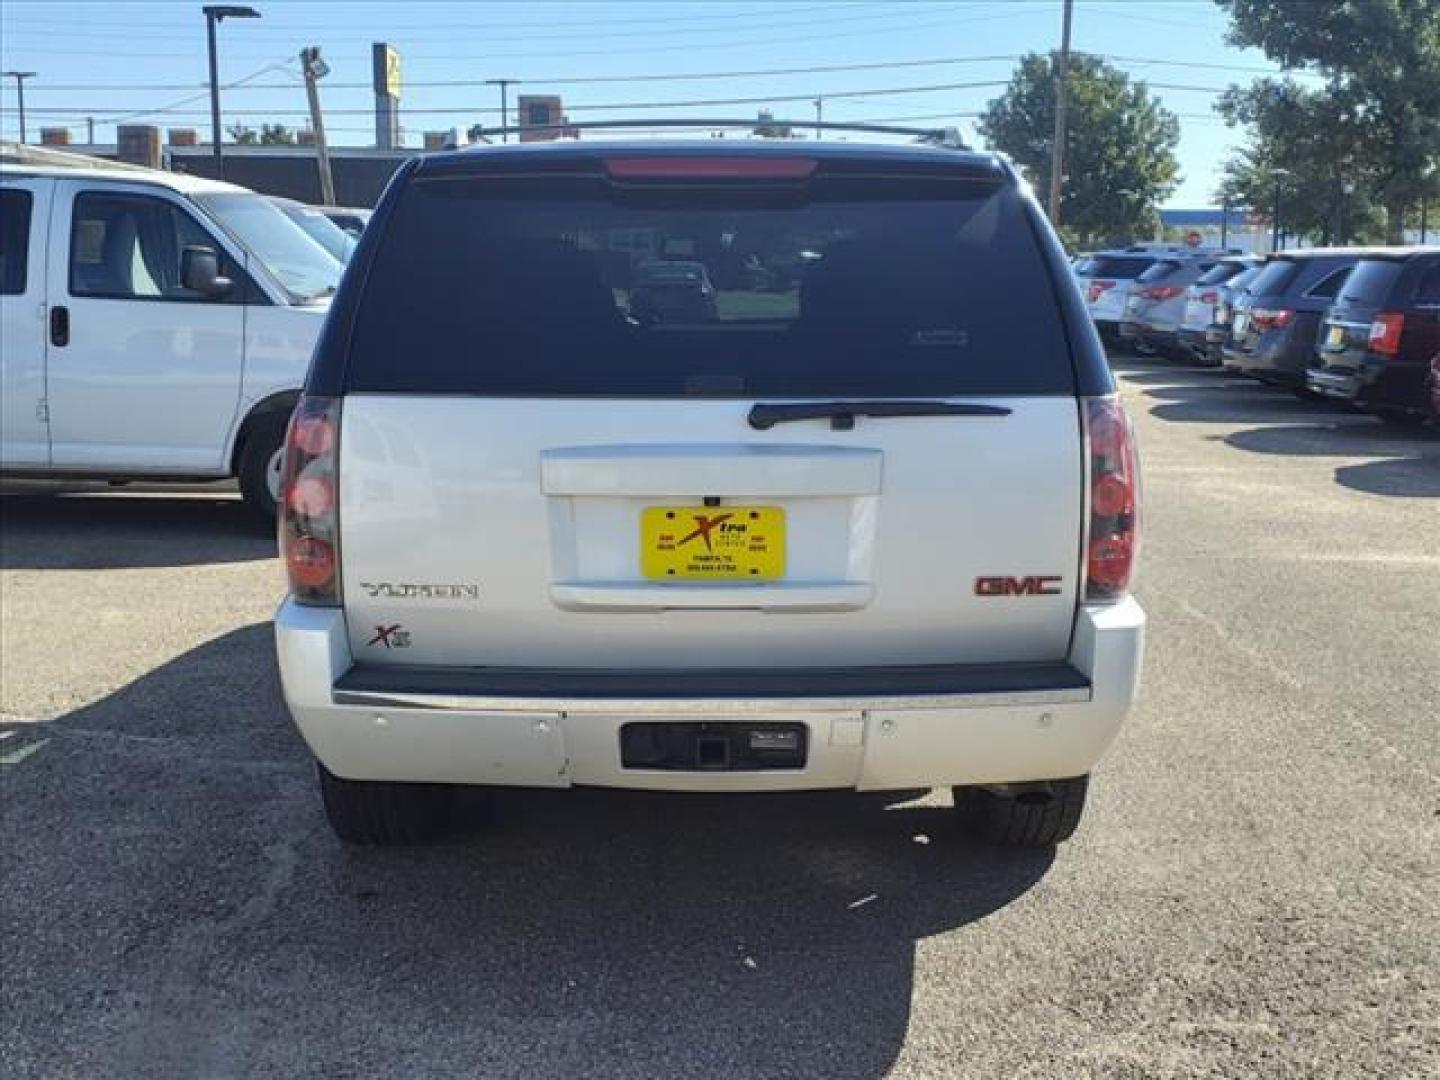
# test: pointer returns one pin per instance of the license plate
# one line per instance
(1336, 337)
(712, 543)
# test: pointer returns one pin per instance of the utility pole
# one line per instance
(216, 13)
(504, 85)
(20, 77)
(1224, 221)
(316, 69)
(90, 130)
(1057, 152)
(1278, 175)
(819, 115)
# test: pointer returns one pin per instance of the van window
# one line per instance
(14, 240)
(556, 287)
(128, 247)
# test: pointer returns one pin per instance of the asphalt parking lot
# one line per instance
(1255, 890)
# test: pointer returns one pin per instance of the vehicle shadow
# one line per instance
(179, 887)
(47, 528)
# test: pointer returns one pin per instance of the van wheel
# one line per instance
(261, 461)
(384, 813)
(1023, 815)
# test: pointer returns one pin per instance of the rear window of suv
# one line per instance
(533, 287)
(1124, 267)
(1220, 273)
(1275, 278)
(1370, 282)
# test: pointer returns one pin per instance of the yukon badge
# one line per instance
(409, 590)
(1048, 585)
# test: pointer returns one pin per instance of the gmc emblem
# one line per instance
(1017, 586)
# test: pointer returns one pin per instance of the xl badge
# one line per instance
(393, 636)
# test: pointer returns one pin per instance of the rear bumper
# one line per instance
(886, 729)
(1384, 385)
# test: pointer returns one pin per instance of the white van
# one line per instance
(155, 326)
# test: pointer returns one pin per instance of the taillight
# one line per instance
(710, 168)
(1385, 333)
(309, 522)
(1161, 292)
(1098, 288)
(1271, 318)
(1114, 502)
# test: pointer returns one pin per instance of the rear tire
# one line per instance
(382, 813)
(1027, 815)
(263, 451)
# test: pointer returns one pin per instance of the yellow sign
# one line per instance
(712, 543)
(385, 69)
(392, 72)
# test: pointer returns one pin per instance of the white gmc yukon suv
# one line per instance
(856, 507)
(153, 326)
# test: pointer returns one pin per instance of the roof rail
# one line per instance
(947, 137)
(13, 153)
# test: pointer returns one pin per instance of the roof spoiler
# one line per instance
(948, 138)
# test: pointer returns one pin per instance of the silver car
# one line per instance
(1155, 307)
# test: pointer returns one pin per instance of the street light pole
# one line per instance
(20, 77)
(1277, 175)
(215, 13)
(504, 85)
(1057, 151)
(1224, 221)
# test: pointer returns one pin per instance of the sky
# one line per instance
(934, 63)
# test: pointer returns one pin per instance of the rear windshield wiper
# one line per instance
(842, 414)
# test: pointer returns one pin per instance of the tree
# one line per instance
(268, 135)
(1120, 151)
(768, 129)
(1381, 63)
(1320, 154)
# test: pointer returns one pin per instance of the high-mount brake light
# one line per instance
(710, 168)
(1385, 333)
(309, 526)
(1161, 292)
(1114, 499)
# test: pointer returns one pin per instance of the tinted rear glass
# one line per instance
(1220, 273)
(553, 287)
(14, 240)
(1159, 271)
(1120, 266)
(1245, 278)
(1370, 282)
(1275, 278)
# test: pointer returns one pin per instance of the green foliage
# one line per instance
(1381, 63)
(1318, 152)
(1120, 151)
(268, 135)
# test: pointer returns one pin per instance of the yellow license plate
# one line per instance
(712, 543)
(1337, 336)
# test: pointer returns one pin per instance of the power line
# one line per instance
(682, 76)
(761, 9)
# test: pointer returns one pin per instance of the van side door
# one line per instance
(24, 221)
(144, 374)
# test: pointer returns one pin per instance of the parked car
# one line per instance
(672, 291)
(317, 225)
(351, 219)
(1275, 323)
(1156, 303)
(1206, 314)
(876, 533)
(1378, 336)
(1435, 388)
(1105, 280)
(155, 326)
